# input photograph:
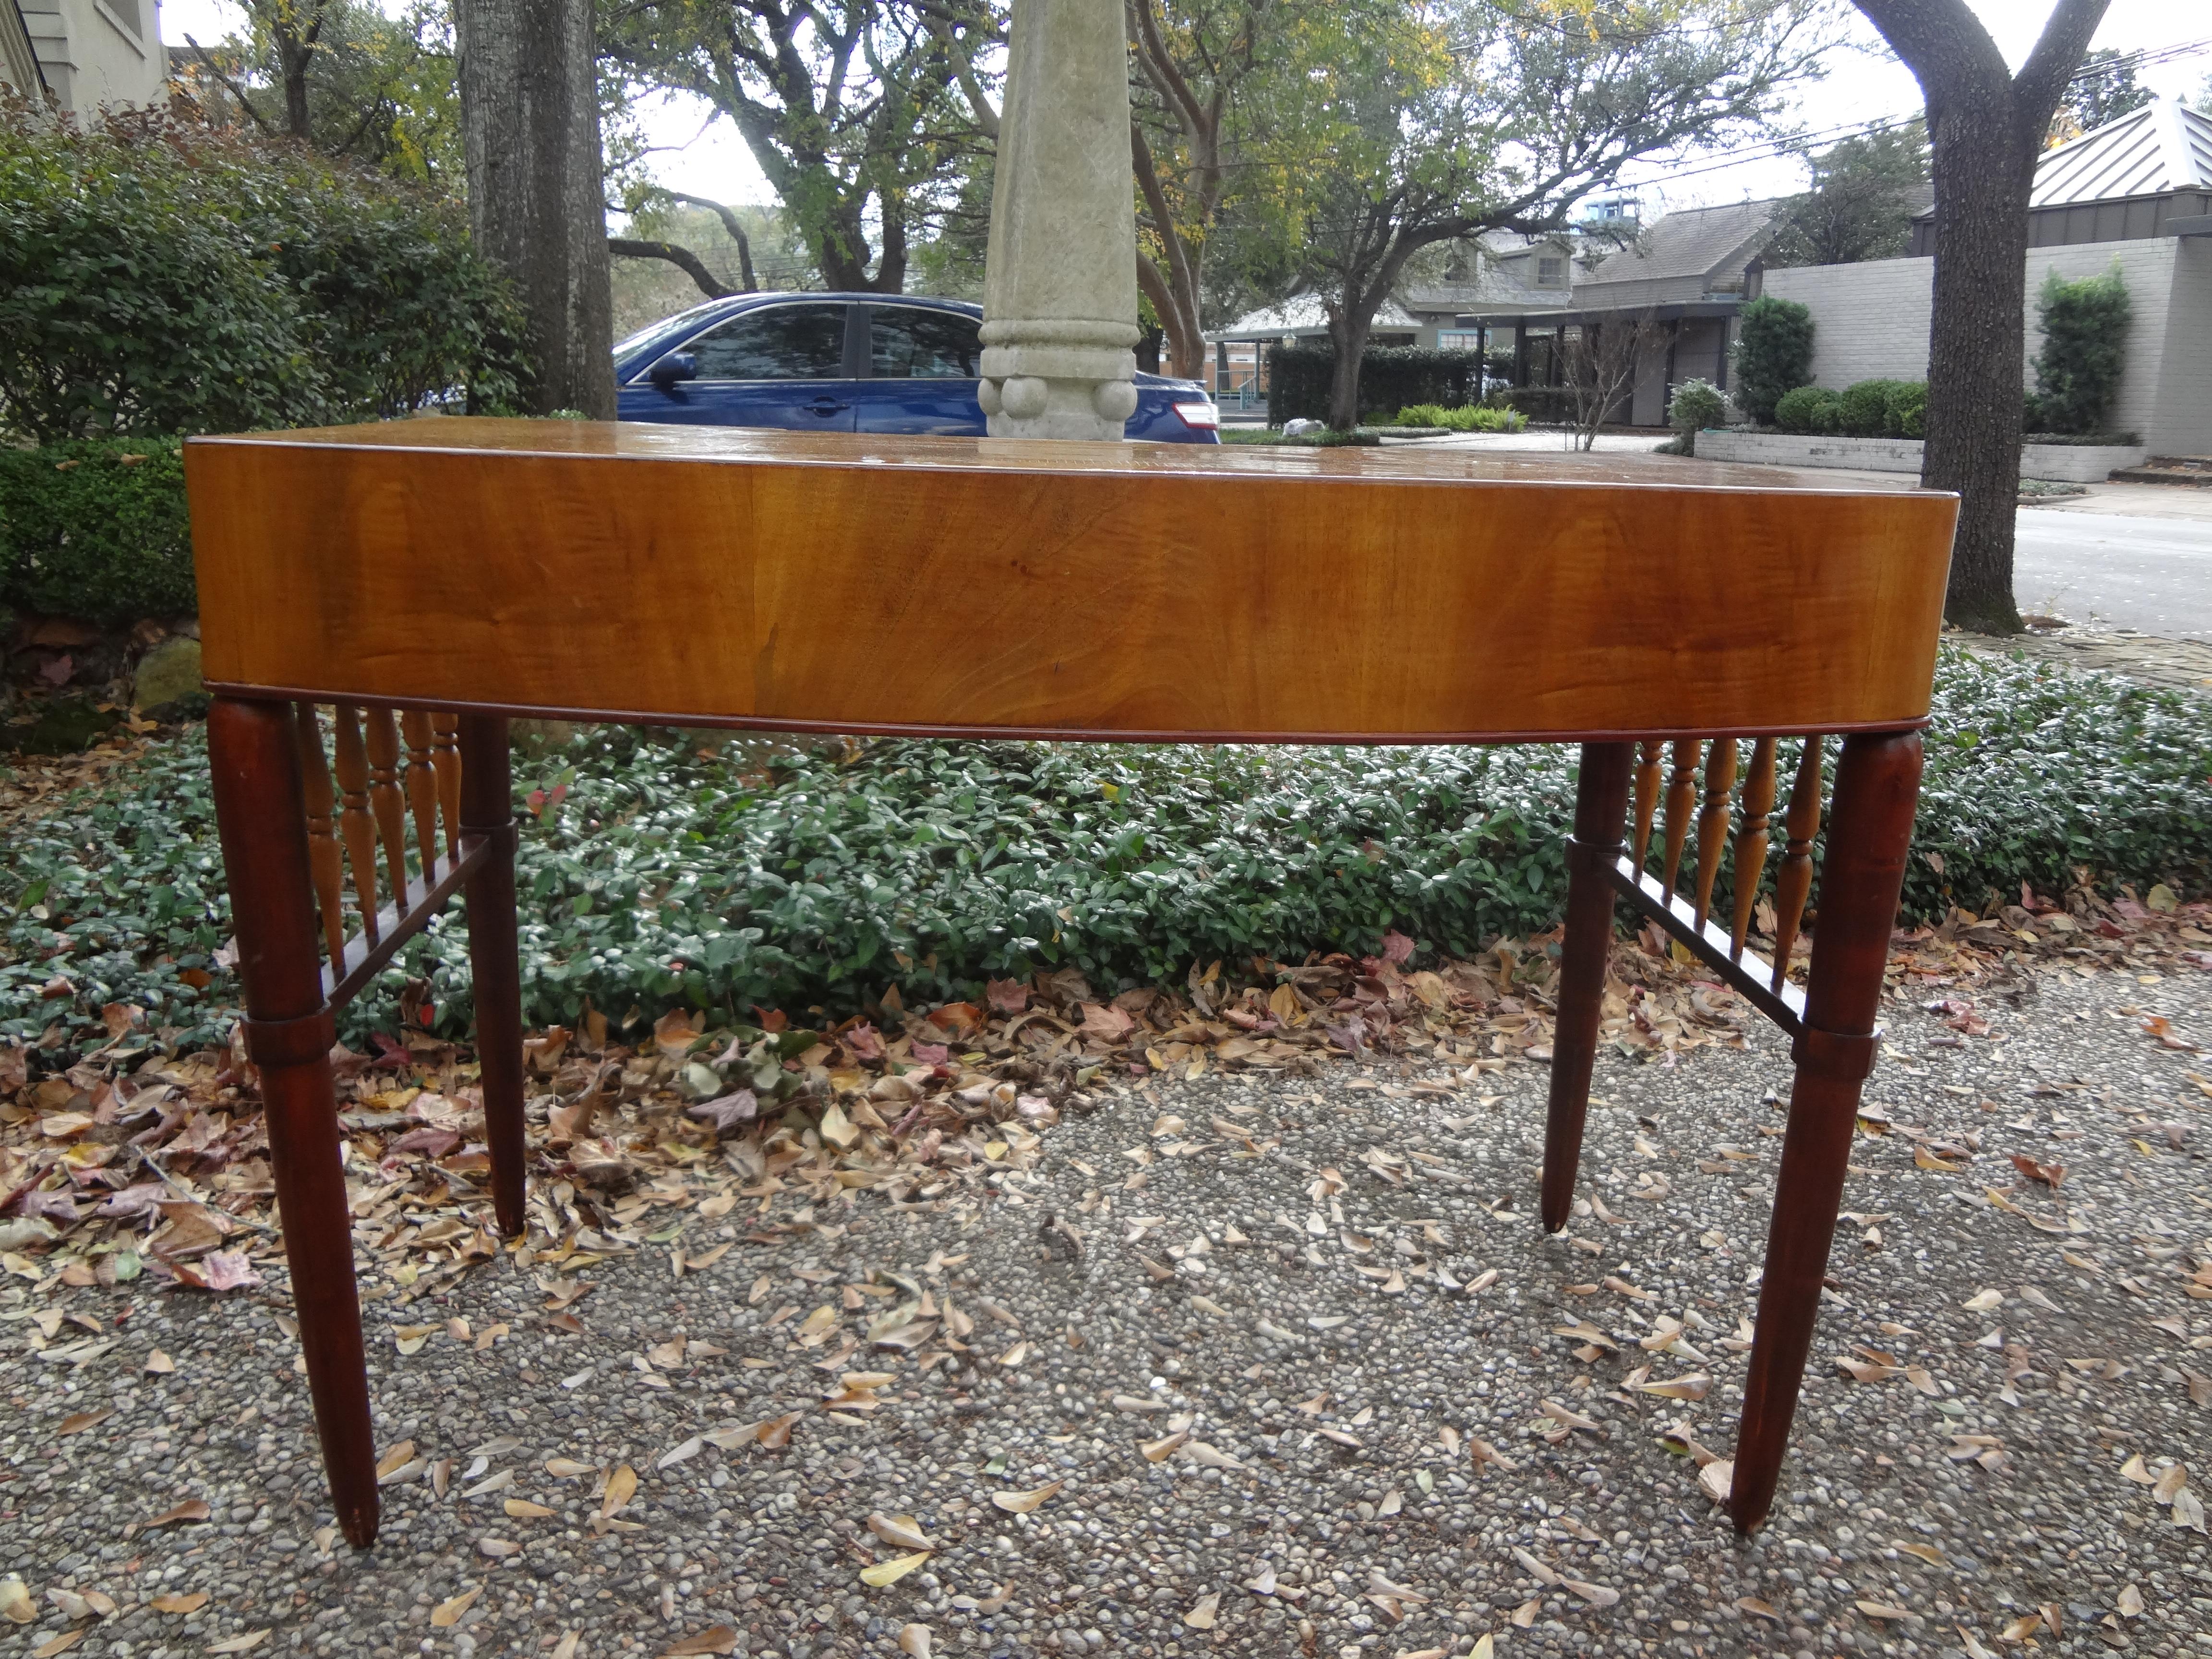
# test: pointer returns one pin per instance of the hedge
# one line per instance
(1390, 378)
(96, 529)
(651, 876)
(1865, 409)
(159, 278)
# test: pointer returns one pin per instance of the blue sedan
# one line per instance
(845, 362)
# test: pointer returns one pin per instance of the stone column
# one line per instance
(1060, 288)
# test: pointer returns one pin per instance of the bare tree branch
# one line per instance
(682, 258)
(737, 234)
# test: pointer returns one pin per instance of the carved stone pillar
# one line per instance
(1060, 290)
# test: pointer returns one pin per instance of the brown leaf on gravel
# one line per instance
(716, 1638)
(622, 1486)
(1021, 1502)
(192, 1508)
(78, 1422)
(174, 1603)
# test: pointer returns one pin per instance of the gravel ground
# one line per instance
(1336, 1414)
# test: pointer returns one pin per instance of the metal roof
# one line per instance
(1305, 315)
(2164, 146)
(1689, 242)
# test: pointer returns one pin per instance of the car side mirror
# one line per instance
(676, 366)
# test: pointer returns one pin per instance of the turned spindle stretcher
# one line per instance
(428, 579)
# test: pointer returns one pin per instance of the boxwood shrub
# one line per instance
(651, 876)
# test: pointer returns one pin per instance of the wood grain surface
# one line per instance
(779, 579)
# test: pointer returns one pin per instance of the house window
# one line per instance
(1551, 270)
(1459, 339)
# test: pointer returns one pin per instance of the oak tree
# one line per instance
(1987, 125)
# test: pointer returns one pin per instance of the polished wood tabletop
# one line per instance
(408, 586)
(999, 586)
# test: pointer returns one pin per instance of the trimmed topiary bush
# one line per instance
(1862, 411)
(1773, 354)
(2084, 352)
(96, 529)
(1799, 409)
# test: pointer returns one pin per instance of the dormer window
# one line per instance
(1551, 270)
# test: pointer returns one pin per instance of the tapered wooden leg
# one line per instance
(253, 754)
(1601, 805)
(487, 809)
(1862, 874)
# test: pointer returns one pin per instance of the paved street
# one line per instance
(2124, 570)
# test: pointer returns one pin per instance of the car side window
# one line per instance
(776, 343)
(906, 343)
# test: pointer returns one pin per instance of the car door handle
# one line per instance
(827, 406)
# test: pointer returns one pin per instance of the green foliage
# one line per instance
(1867, 409)
(2085, 338)
(96, 529)
(1390, 377)
(1908, 409)
(1696, 405)
(1773, 353)
(1865, 193)
(659, 877)
(2100, 92)
(1877, 409)
(1469, 417)
(159, 277)
(377, 88)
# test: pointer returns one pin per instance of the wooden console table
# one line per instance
(428, 579)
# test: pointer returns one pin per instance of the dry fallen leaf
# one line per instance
(900, 1529)
(716, 1638)
(567, 1646)
(192, 1508)
(245, 1644)
(1717, 1478)
(78, 1422)
(1201, 1617)
(1985, 1302)
(566, 1469)
(62, 1643)
(1021, 1502)
(622, 1486)
(913, 1641)
(523, 1509)
(890, 1572)
(446, 1614)
(2130, 1603)
(16, 1602)
(1154, 1450)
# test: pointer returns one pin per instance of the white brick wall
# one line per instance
(1871, 322)
(2182, 424)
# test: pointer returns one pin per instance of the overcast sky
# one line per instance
(706, 158)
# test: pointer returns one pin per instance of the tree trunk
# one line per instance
(1987, 126)
(1348, 334)
(530, 127)
(1977, 346)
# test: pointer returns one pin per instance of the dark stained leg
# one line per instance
(487, 809)
(1600, 805)
(1862, 873)
(289, 1032)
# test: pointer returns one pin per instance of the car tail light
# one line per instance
(1206, 417)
